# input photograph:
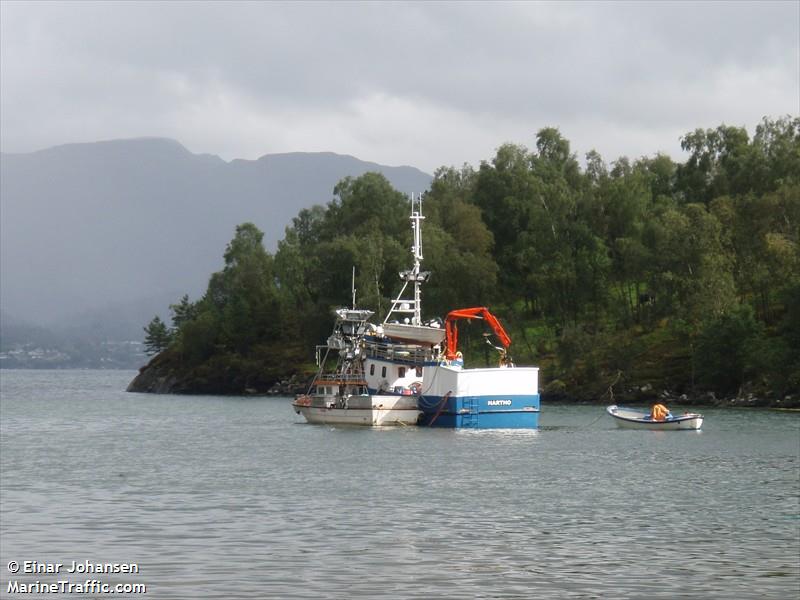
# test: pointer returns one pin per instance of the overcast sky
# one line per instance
(421, 83)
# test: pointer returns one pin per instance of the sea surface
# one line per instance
(215, 497)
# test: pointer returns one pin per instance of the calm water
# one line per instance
(237, 497)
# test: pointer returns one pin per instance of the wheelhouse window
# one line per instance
(383, 371)
(401, 372)
(419, 371)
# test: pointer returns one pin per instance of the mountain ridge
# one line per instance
(91, 225)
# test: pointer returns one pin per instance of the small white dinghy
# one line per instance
(632, 418)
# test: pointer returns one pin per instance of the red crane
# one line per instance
(480, 312)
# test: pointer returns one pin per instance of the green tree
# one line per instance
(246, 292)
(241, 307)
(692, 273)
(365, 226)
(727, 348)
(457, 245)
(157, 336)
(719, 163)
(777, 156)
(538, 209)
(617, 208)
(183, 312)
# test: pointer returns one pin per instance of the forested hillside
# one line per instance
(620, 280)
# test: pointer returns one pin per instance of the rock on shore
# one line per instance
(165, 375)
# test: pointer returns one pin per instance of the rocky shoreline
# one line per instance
(164, 375)
(648, 394)
(152, 381)
(161, 377)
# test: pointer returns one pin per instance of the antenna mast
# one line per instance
(414, 275)
(416, 225)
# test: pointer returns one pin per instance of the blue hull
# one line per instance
(480, 412)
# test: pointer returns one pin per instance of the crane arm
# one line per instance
(480, 312)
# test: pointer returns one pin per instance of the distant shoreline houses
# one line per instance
(127, 354)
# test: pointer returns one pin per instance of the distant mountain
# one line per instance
(98, 237)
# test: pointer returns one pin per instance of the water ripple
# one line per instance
(234, 497)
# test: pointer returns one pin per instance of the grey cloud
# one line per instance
(111, 69)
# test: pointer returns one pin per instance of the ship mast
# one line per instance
(416, 249)
(415, 275)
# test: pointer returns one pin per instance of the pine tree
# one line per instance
(183, 312)
(157, 337)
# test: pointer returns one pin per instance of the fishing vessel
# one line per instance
(341, 395)
(408, 371)
(377, 369)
